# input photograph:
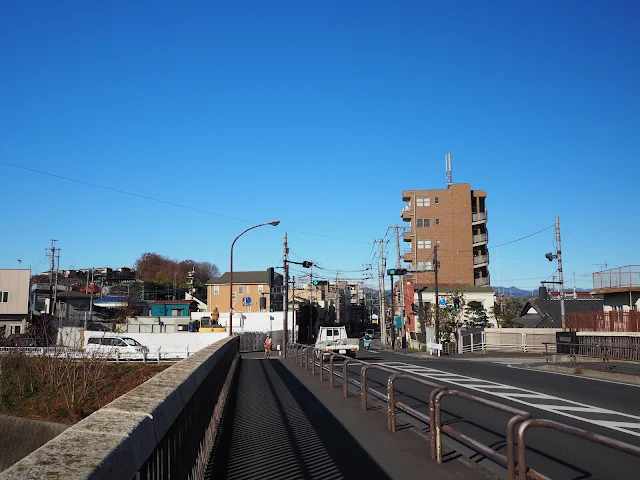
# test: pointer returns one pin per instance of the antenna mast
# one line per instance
(447, 159)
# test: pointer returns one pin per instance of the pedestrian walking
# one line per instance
(267, 347)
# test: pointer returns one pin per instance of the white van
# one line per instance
(111, 344)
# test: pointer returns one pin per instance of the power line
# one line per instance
(166, 202)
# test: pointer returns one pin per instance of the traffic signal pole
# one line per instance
(393, 314)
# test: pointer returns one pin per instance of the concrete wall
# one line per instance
(514, 339)
(115, 441)
(16, 283)
(195, 341)
(21, 436)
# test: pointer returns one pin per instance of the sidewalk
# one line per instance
(287, 425)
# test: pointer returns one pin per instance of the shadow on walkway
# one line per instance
(280, 430)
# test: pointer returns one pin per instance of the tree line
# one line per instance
(153, 267)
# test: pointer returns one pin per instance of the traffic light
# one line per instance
(315, 283)
(307, 264)
(456, 303)
(271, 273)
(549, 256)
(397, 271)
(263, 303)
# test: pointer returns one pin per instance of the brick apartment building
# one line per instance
(455, 219)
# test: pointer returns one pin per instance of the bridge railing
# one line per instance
(164, 428)
(301, 354)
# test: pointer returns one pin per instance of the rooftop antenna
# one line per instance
(447, 159)
(602, 266)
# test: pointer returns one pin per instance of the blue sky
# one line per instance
(318, 114)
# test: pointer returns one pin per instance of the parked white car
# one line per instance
(113, 344)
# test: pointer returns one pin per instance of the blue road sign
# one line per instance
(443, 302)
(247, 300)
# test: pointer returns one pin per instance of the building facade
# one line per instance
(14, 301)
(620, 288)
(454, 220)
(252, 285)
(173, 308)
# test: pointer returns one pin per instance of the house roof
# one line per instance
(260, 277)
(172, 302)
(548, 311)
(67, 295)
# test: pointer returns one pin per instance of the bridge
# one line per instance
(227, 412)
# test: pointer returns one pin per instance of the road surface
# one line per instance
(607, 408)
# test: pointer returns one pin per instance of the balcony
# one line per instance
(480, 239)
(408, 255)
(407, 236)
(406, 213)
(621, 279)
(478, 218)
(481, 282)
(480, 261)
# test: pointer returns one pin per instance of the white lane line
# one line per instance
(528, 397)
(576, 376)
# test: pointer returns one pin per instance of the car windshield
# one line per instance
(132, 342)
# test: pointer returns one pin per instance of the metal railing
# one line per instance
(479, 217)
(478, 259)
(481, 282)
(524, 472)
(514, 464)
(620, 277)
(480, 237)
(604, 352)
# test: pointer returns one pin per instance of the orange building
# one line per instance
(253, 285)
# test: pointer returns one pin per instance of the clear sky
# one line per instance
(318, 114)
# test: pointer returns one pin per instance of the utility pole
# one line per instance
(336, 296)
(51, 252)
(559, 258)
(437, 306)
(311, 285)
(285, 317)
(383, 314)
(401, 305)
(55, 289)
(293, 298)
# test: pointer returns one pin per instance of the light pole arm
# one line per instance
(231, 274)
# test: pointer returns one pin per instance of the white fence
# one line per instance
(509, 340)
(159, 354)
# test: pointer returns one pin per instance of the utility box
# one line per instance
(563, 341)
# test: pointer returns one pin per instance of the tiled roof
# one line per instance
(173, 302)
(548, 311)
(260, 277)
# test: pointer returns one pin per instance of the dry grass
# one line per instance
(64, 390)
(578, 370)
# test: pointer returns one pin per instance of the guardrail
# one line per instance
(159, 354)
(595, 350)
(514, 464)
(165, 428)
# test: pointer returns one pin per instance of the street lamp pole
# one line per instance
(273, 223)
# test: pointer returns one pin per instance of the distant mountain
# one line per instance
(518, 292)
(514, 291)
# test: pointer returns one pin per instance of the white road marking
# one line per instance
(576, 376)
(527, 397)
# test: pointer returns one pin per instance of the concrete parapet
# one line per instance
(115, 441)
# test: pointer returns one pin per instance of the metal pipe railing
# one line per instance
(518, 416)
(524, 473)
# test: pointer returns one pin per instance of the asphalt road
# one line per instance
(607, 408)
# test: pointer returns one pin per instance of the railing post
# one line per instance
(391, 403)
(483, 339)
(321, 365)
(187, 351)
(437, 427)
(363, 387)
(471, 342)
(313, 364)
(331, 370)
(433, 436)
(511, 448)
(158, 354)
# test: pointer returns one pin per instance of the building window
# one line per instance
(423, 201)
(425, 265)
(437, 222)
(436, 200)
(247, 288)
(216, 289)
(423, 222)
(240, 290)
(233, 295)
(260, 288)
(4, 297)
(424, 243)
(176, 312)
(437, 243)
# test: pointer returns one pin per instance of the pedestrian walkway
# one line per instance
(286, 425)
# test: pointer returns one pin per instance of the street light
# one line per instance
(273, 223)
